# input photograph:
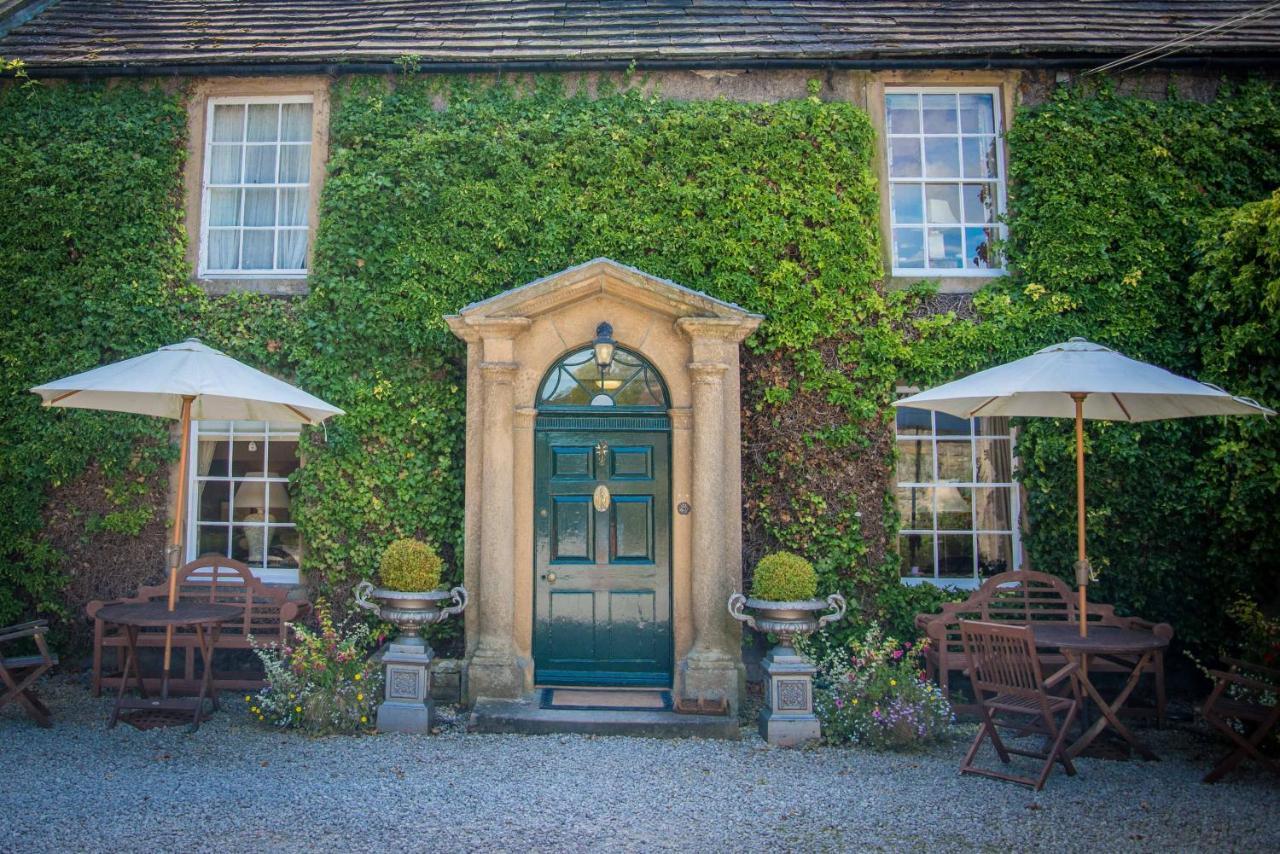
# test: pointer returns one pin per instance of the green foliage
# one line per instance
(443, 193)
(91, 270)
(410, 565)
(784, 577)
(1109, 195)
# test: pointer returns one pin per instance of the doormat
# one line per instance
(606, 699)
(158, 718)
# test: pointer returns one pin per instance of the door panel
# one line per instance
(602, 584)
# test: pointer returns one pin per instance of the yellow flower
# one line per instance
(356, 677)
(248, 699)
(359, 697)
(293, 696)
(855, 701)
(893, 681)
(297, 708)
(363, 719)
(259, 717)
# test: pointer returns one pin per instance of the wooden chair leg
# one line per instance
(1161, 697)
(20, 691)
(97, 657)
(1245, 748)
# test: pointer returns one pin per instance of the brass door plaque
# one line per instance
(601, 498)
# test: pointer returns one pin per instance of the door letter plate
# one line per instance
(601, 498)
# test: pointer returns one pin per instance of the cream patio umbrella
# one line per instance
(1080, 380)
(186, 381)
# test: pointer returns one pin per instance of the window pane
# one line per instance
(950, 425)
(916, 551)
(904, 157)
(258, 246)
(295, 164)
(944, 247)
(295, 124)
(211, 540)
(939, 114)
(979, 251)
(259, 207)
(264, 123)
(908, 247)
(942, 157)
(212, 451)
(291, 249)
(954, 508)
(915, 461)
(228, 122)
(286, 549)
(224, 207)
(913, 422)
(260, 164)
(943, 201)
(955, 555)
(977, 113)
(224, 164)
(915, 507)
(979, 203)
(980, 157)
(907, 207)
(293, 207)
(212, 501)
(995, 554)
(282, 456)
(224, 249)
(903, 113)
(995, 460)
(954, 462)
(992, 508)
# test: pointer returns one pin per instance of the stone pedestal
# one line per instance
(407, 704)
(787, 720)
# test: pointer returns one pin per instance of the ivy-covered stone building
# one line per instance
(425, 213)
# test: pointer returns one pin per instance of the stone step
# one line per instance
(525, 716)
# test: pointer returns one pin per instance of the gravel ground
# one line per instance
(236, 786)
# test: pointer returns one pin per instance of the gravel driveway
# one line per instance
(235, 786)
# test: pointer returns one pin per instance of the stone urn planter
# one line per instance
(787, 719)
(409, 569)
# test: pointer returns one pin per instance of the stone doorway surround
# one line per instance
(693, 340)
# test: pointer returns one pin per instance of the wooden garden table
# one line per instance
(205, 618)
(1115, 644)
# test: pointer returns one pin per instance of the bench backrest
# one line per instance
(1019, 596)
(226, 581)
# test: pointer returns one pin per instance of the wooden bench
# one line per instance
(218, 580)
(1020, 597)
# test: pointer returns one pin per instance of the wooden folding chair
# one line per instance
(18, 674)
(1012, 693)
(1255, 719)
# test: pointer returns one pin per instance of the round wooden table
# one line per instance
(1116, 644)
(204, 618)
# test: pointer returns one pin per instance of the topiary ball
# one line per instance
(410, 566)
(784, 577)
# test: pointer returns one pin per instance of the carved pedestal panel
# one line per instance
(407, 705)
(788, 719)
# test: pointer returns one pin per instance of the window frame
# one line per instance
(202, 265)
(1001, 180)
(1015, 502)
(270, 575)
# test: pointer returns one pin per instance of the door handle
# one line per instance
(549, 577)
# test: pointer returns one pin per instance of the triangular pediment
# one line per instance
(603, 276)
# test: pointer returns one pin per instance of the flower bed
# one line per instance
(874, 693)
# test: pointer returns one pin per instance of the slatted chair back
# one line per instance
(216, 579)
(1023, 596)
(1003, 660)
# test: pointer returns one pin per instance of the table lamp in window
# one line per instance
(259, 497)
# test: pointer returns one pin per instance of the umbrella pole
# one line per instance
(175, 557)
(1082, 562)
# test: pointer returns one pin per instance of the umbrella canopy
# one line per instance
(185, 381)
(1081, 379)
(1118, 389)
(156, 384)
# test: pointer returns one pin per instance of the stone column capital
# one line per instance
(499, 372)
(707, 373)
(472, 329)
(731, 330)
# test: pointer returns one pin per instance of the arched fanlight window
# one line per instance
(578, 381)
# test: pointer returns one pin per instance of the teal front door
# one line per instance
(602, 555)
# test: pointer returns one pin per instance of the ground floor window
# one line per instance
(240, 502)
(957, 498)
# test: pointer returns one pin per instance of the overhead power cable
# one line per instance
(1160, 51)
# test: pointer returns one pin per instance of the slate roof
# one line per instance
(484, 33)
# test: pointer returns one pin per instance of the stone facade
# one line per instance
(692, 340)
